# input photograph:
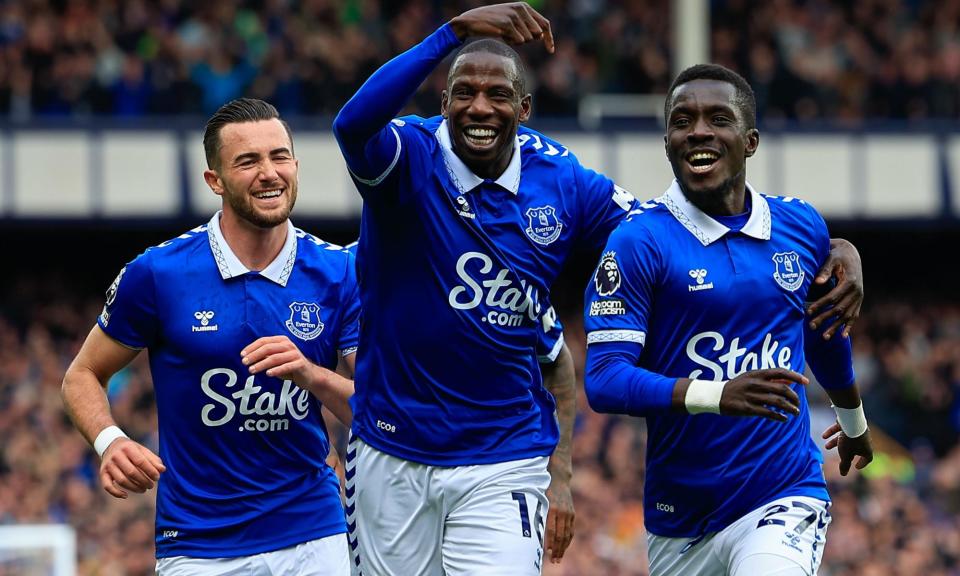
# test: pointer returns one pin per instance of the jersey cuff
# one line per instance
(551, 356)
(396, 156)
(616, 336)
(348, 351)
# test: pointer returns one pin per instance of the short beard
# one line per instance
(247, 212)
(712, 200)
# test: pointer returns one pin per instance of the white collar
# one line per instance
(464, 178)
(706, 229)
(230, 266)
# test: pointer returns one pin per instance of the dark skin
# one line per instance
(708, 142)
(484, 105)
(483, 102)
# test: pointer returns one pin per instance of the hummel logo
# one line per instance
(464, 208)
(204, 316)
(699, 274)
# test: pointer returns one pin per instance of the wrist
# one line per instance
(106, 437)
(852, 421)
(703, 396)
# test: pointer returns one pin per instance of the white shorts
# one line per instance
(410, 519)
(782, 538)
(321, 557)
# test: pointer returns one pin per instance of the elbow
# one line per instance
(598, 396)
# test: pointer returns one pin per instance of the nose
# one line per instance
(268, 171)
(700, 130)
(480, 106)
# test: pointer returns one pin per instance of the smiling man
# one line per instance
(459, 442)
(244, 317)
(708, 326)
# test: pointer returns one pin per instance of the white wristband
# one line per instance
(703, 396)
(106, 437)
(852, 421)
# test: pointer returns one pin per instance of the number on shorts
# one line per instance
(521, 499)
(768, 516)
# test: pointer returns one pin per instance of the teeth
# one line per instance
(268, 194)
(481, 132)
(702, 156)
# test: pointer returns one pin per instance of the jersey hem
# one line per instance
(250, 549)
(453, 459)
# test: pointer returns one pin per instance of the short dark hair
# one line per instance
(500, 48)
(745, 100)
(235, 111)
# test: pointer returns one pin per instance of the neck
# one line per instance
(255, 247)
(728, 199)
(492, 171)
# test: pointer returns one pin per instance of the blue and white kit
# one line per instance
(245, 455)
(680, 294)
(458, 269)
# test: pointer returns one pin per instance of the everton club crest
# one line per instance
(543, 226)
(788, 273)
(304, 322)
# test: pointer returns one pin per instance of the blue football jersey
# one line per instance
(710, 303)
(454, 273)
(245, 455)
(549, 339)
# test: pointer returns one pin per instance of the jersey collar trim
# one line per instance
(230, 266)
(706, 229)
(464, 178)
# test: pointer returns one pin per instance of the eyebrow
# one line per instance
(255, 155)
(684, 108)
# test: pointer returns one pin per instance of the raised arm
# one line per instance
(362, 125)
(125, 464)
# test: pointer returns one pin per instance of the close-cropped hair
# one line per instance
(745, 100)
(233, 112)
(500, 48)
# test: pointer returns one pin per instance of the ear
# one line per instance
(444, 100)
(526, 108)
(213, 181)
(666, 146)
(753, 142)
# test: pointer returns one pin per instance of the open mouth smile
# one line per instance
(702, 161)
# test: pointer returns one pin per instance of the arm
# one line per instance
(560, 378)
(278, 357)
(616, 384)
(832, 363)
(844, 300)
(361, 126)
(125, 464)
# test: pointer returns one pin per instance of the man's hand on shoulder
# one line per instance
(127, 465)
(515, 23)
(842, 304)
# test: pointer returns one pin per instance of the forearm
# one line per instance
(388, 90)
(85, 400)
(560, 379)
(830, 360)
(333, 391)
(616, 385)
(848, 398)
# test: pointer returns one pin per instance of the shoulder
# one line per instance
(332, 260)
(792, 209)
(644, 225)
(417, 125)
(172, 252)
(537, 146)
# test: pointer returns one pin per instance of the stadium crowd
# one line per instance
(902, 516)
(807, 59)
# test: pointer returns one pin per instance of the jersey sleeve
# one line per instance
(831, 361)
(603, 205)
(618, 302)
(350, 322)
(371, 144)
(549, 337)
(130, 312)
